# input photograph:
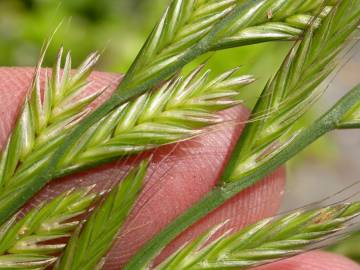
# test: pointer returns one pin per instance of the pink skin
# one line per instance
(179, 175)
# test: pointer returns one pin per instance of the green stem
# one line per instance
(349, 125)
(219, 195)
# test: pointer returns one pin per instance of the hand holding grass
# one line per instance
(152, 119)
(194, 183)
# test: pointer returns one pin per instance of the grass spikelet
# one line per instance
(33, 241)
(178, 110)
(294, 89)
(90, 243)
(266, 241)
(187, 22)
(50, 112)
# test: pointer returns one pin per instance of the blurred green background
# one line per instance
(116, 27)
(119, 27)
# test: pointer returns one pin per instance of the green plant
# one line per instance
(154, 105)
(263, 242)
(179, 110)
(44, 122)
(23, 242)
(88, 245)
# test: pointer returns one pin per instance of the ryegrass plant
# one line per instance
(265, 241)
(33, 241)
(178, 110)
(293, 91)
(56, 134)
(48, 114)
(90, 243)
(186, 22)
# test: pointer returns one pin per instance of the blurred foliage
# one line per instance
(117, 26)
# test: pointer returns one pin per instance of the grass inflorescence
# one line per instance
(266, 241)
(34, 240)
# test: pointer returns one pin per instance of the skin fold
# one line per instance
(179, 175)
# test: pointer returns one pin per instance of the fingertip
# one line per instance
(14, 83)
(316, 260)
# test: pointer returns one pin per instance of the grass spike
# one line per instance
(264, 242)
(186, 22)
(90, 243)
(294, 89)
(24, 242)
(50, 112)
(176, 111)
